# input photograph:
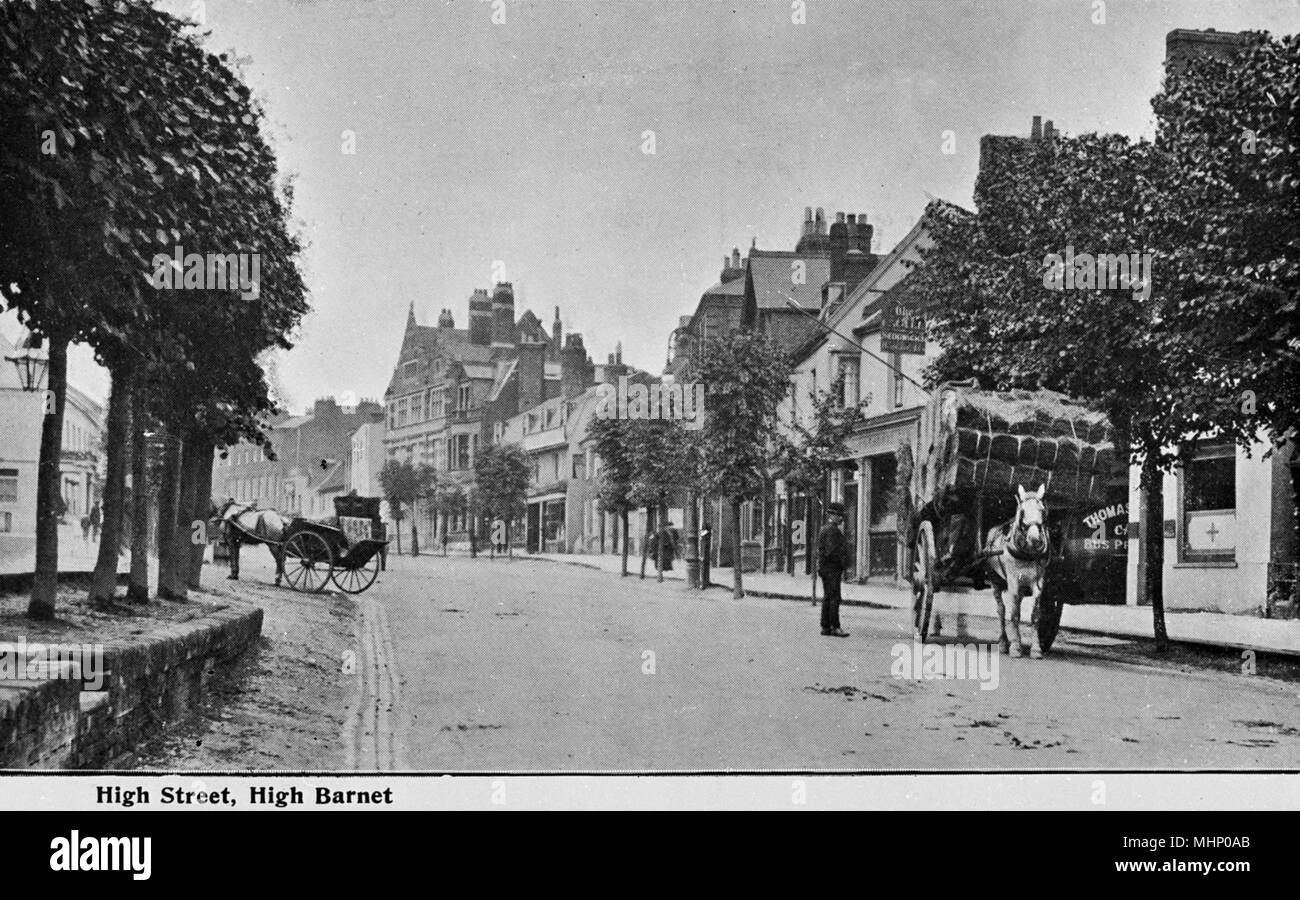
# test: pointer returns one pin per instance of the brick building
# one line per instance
(312, 460)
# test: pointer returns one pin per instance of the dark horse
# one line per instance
(242, 524)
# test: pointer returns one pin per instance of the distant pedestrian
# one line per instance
(832, 561)
(85, 530)
(95, 519)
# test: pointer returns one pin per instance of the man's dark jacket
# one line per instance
(833, 551)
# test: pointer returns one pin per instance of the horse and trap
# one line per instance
(347, 549)
(1023, 461)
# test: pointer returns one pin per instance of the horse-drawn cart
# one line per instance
(1019, 461)
(310, 553)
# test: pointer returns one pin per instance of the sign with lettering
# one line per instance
(902, 329)
(1105, 529)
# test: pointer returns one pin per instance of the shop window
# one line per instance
(6, 522)
(8, 485)
(1208, 504)
(884, 477)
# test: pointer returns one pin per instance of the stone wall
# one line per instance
(151, 681)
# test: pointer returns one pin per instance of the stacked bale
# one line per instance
(987, 443)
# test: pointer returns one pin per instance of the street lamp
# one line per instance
(30, 361)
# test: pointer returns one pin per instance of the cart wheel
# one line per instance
(308, 562)
(1049, 620)
(354, 581)
(923, 582)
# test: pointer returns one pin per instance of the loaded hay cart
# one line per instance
(975, 447)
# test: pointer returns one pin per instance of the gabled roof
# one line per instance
(770, 275)
(733, 288)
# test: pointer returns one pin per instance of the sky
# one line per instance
(523, 143)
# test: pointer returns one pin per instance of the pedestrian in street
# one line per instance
(85, 530)
(832, 560)
(96, 517)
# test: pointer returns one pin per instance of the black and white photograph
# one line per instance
(568, 389)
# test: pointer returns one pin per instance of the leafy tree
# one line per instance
(810, 450)
(505, 473)
(613, 442)
(746, 376)
(401, 486)
(111, 163)
(1208, 346)
(1229, 128)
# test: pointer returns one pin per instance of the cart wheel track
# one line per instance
(373, 744)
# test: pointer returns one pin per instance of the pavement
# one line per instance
(1205, 628)
(18, 552)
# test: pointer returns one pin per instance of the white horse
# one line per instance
(1017, 560)
(241, 524)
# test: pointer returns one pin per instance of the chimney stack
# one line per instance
(1182, 45)
(618, 353)
(807, 220)
(819, 223)
(503, 315)
(839, 247)
(576, 370)
(531, 369)
(1036, 130)
(480, 318)
(865, 232)
(556, 333)
(445, 319)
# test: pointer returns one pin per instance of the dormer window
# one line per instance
(409, 368)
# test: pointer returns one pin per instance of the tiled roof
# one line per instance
(772, 271)
(733, 288)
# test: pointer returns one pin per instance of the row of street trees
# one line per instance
(499, 491)
(1210, 349)
(125, 140)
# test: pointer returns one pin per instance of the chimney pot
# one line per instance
(839, 217)
(1036, 130)
(735, 257)
(807, 214)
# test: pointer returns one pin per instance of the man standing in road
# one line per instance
(832, 560)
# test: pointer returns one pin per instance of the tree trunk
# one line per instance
(138, 583)
(812, 542)
(202, 508)
(691, 525)
(45, 582)
(472, 526)
(1153, 537)
(183, 535)
(510, 540)
(415, 536)
(787, 542)
(623, 516)
(737, 586)
(169, 488)
(661, 545)
(103, 586)
(645, 541)
(397, 533)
